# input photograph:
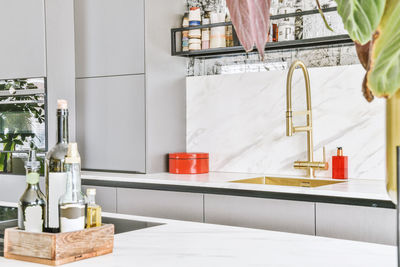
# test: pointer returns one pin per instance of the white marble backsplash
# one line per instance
(240, 120)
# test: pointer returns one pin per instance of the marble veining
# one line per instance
(183, 244)
(240, 120)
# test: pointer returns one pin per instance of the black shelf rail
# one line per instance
(303, 43)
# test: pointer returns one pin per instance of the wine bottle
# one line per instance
(56, 178)
(93, 210)
(32, 204)
(72, 205)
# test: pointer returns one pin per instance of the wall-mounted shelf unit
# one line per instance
(270, 46)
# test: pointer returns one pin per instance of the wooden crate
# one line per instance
(60, 248)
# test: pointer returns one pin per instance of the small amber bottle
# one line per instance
(93, 210)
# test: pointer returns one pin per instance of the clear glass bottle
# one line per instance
(32, 204)
(72, 205)
(93, 210)
(55, 175)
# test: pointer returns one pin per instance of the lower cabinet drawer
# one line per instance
(106, 197)
(160, 204)
(377, 225)
(269, 214)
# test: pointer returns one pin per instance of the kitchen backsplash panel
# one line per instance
(240, 120)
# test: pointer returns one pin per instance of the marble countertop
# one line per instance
(177, 243)
(352, 188)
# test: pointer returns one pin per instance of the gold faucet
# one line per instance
(310, 165)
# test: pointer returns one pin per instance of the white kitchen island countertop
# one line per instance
(188, 244)
(373, 189)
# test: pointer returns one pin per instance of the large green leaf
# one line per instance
(361, 17)
(383, 77)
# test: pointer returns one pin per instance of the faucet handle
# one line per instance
(326, 167)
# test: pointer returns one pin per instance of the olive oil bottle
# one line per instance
(56, 177)
(93, 210)
(32, 204)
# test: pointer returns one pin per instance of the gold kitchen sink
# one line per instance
(302, 182)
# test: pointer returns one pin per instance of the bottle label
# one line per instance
(57, 185)
(72, 217)
(32, 178)
(33, 219)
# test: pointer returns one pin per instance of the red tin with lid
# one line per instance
(188, 163)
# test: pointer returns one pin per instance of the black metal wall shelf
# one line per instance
(303, 43)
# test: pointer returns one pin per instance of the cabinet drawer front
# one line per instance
(161, 204)
(367, 224)
(269, 214)
(106, 197)
(111, 123)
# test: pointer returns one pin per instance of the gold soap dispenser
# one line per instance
(93, 210)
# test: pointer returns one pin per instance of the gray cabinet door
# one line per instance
(22, 46)
(269, 214)
(106, 197)
(367, 224)
(160, 204)
(110, 119)
(109, 37)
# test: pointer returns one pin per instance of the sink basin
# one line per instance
(301, 182)
(123, 225)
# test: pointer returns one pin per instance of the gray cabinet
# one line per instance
(161, 204)
(269, 214)
(106, 197)
(22, 46)
(111, 123)
(110, 41)
(377, 225)
(109, 37)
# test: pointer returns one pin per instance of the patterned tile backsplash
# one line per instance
(316, 57)
(240, 120)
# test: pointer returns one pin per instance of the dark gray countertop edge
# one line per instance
(245, 193)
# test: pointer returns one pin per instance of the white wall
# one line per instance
(240, 120)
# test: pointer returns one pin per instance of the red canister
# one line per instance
(188, 163)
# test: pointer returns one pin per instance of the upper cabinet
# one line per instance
(22, 46)
(109, 37)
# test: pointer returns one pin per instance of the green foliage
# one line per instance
(384, 74)
(361, 17)
(16, 135)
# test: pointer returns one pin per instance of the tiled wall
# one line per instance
(240, 120)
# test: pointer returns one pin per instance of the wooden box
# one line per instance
(60, 248)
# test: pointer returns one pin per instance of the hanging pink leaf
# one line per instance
(251, 21)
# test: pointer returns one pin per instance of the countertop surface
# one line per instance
(188, 244)
(352, 188)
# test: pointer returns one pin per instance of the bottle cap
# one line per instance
(340, 151)
(73, 154)
(62, 104)
(91, 191)
(32, 162)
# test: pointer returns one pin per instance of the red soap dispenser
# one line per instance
(339, 165)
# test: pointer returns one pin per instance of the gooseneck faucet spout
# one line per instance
(309, 165)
